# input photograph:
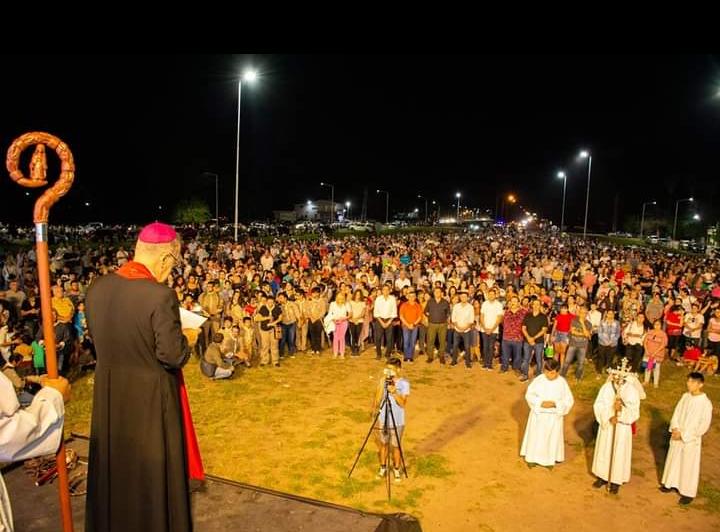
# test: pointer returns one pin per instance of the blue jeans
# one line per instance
(528, 351)
(409, 339)
(488, 345)
(466, 339)
(570, 355)
(511, 348)
(450, 341)
(25, 398)
(288, 338)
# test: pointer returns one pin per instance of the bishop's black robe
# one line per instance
(137, 473)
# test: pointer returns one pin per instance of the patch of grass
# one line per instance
(349, 487)
(412, 498)
(357, 415)
(712, 497)
(313, 444)
(638, 472)
(432, 465)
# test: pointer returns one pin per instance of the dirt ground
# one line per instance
(298, 429)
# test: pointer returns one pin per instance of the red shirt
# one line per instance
(512, 325)
(562, 322)
(673, 330)
(692, 354)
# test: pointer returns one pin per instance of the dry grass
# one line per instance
(299, 427)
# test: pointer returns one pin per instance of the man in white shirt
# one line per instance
(384, 311)
(462, 319)
(491, 315)
(402, 281)
(692, 325)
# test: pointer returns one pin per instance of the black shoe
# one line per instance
(599, 483)
(277, 364)
(429, 360)
(453, 363)
(685, 500)
(530, 465)
(665, 490)
(614, 488)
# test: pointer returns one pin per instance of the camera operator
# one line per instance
(398, 390)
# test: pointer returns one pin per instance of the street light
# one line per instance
(347, 206)
(642, 218)
(562, 175)
(87, 203)
(249, 76)
(677, 204)
(426, 205)
(332, 200)
(586, 155)
(387, 203)
(457, 216)
(696, 216)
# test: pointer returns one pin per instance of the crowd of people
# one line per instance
(531, 302)
(504, 294)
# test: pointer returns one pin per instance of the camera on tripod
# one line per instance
(390, 375)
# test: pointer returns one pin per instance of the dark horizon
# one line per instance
(144, 128)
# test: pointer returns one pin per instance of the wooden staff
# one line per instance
(621, 376)
(38, 175)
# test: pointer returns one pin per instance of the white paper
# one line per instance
(190, 320)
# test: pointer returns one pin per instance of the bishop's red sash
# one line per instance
(135, 270)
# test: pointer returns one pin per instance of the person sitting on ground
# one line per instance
(20, 384)
(213, 358)
(707, 363)
(691, 355)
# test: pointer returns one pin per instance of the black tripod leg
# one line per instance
(362, 447)
(397, 437)
(386, 434)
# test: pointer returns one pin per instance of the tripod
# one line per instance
(385, 404)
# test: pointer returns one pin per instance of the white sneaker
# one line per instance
(396, 474)
(382, 472)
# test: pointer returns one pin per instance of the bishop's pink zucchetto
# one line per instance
(157, 233)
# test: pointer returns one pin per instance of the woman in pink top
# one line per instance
(713, 331)
(655, 342)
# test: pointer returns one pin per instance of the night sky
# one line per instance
(143, 129)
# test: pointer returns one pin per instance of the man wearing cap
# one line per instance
(142, 446)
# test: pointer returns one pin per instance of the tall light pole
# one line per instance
(332, 200)
(563, 176)
(249, 76)
(217, 196)
(457, 211)
(677, 204)
(642, 217)
(387, 204)
(586, 155)
(426, 204)
(347, 206)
